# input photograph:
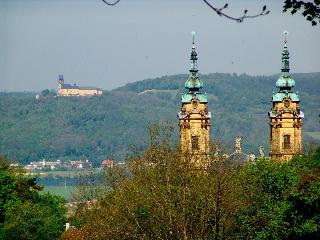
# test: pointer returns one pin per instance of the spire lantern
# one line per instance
(285, 83)
(285, 55)
(193, 58)
(193, 83)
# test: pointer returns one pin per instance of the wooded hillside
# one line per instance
(105, 127)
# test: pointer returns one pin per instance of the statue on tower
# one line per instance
(238, 144)
(216, 152)
(261, 151)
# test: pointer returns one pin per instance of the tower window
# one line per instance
(286, 141)
(195, 142)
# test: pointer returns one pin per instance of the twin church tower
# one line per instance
(285, 116)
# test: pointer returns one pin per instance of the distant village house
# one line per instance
(53, 165)
(43, 164)
(80, 164)
(107, 164)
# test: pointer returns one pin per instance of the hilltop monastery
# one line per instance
(74, 90)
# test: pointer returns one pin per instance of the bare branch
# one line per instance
(220, 12)
(111, 4)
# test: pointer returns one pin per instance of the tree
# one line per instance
(40, 219)
(45, 93)
(25, 213)
(311, 10)
(164, 195)
(284, 201)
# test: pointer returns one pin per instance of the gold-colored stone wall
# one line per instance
(78, 92)
(289, 123)
(195, 124)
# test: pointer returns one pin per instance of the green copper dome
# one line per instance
(278, 97)
(187, 97)
(285, 82)
(193, 83)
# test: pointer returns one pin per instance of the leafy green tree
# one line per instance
(310, 9)
(41, 219)
(24, 212)
(45, 92)
(284, 200)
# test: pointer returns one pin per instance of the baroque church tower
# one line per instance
(60, 84)
(194, 118)
(285, 115)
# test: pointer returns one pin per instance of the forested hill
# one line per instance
(106, 126)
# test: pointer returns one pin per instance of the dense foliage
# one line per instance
(310, 10)
(163, 195)
(104, 127)
(24, 212)
(284, 204)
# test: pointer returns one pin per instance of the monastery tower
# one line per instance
(194, 118)
(285, 115)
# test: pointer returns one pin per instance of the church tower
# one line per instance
(194, 118)
(60, 84)
(285, 115)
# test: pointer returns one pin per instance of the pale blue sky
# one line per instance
(96, 45)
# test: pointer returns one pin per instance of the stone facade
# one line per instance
(285, 130)
(194, 123)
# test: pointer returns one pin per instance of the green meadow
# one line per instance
(60, 190)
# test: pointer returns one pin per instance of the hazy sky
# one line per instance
(93, 44)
